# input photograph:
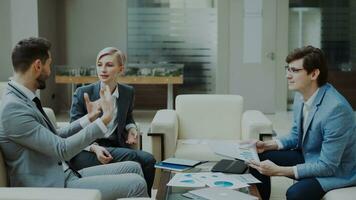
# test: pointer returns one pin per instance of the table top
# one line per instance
(169, 193)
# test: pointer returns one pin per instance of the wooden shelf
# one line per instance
(122, 79)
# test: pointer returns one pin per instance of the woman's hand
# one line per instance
(93, 108)
(132, 136)
(102, 154)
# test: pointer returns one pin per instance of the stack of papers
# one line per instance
(177, 164)
(179, 161)
(172, 167)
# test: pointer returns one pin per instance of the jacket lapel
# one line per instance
(300, 125)
(30, 103)
(317, 101)
(120, 106)
(96, 91)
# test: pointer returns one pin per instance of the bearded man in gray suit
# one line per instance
(36, 154)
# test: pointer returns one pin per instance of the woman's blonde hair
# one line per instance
(120, 56)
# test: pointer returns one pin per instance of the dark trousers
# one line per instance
(147, 161)
(307, 188)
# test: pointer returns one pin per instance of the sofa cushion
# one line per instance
(348, 193)
(209, 116)
(27, 193)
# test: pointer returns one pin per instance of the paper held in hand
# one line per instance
(233, 149)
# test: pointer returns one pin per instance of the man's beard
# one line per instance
(41, 81)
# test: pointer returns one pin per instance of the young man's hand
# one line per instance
(269, 168)
(262, 146)
(265, 167)
(93, 107)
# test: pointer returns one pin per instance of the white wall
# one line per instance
(48, 28)
(24, 19)
(92, 25)
(5, 40)
(18, 20)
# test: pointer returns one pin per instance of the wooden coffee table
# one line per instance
(165, 192)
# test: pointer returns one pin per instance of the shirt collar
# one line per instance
(116, 91)
(28, 93)
(310, 101)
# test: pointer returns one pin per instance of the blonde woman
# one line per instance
(122, 130)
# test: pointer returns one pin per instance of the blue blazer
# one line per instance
(329, 146)
(124, 111)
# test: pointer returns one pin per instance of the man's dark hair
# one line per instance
(27, 51)
(313, 58)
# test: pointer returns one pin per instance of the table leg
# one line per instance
(162, 188)
(169, 96)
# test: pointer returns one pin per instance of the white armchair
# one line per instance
(206, 118)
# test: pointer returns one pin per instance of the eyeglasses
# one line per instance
(293, 70)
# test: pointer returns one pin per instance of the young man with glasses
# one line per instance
(320, 150)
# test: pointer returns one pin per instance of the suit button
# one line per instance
(59, 163)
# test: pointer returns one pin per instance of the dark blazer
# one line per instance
(124, 111)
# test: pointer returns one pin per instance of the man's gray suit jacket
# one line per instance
(33, 149)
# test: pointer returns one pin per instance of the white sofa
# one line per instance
(200, 119)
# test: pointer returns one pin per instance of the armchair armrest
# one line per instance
(27, 193)
(52, 117)
(253, 123)
(166, 122)
(49, 112)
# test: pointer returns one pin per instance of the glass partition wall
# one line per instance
(166, 32)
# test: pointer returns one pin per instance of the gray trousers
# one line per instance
(88, 159)
(115, 180)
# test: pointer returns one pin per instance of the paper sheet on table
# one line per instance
(219, 180)
(206, 178)
(245, 178)
(185, 180)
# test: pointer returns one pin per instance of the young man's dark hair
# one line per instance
(27, 51)
(313, 58)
